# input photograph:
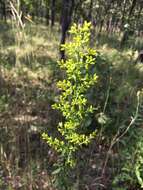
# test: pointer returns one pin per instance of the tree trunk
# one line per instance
(47, 13)
(23, 9)
(138, 19)
(53, 12)
(101, 26)
(125, 35)
(68, 7)
(103, 19)
(90, 11)
(77, 9)
(4, 16)
(132, 8)
(123, 13)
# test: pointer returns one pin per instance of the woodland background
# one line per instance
(30, 36)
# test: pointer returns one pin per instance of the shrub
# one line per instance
(73, 102)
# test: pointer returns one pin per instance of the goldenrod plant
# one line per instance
(73, 102)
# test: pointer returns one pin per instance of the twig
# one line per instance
(16, 15)
(107, 96)
(116, 138)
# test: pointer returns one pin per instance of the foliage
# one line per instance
(131, 172)
(73, 102)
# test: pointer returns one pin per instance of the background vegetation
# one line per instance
(30, 36)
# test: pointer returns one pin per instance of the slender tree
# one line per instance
(3, 9)
(47, 11)
(90, 11)
(67, 10)
(53, 3)
(126, 32)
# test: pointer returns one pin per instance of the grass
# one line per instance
(28, 90)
